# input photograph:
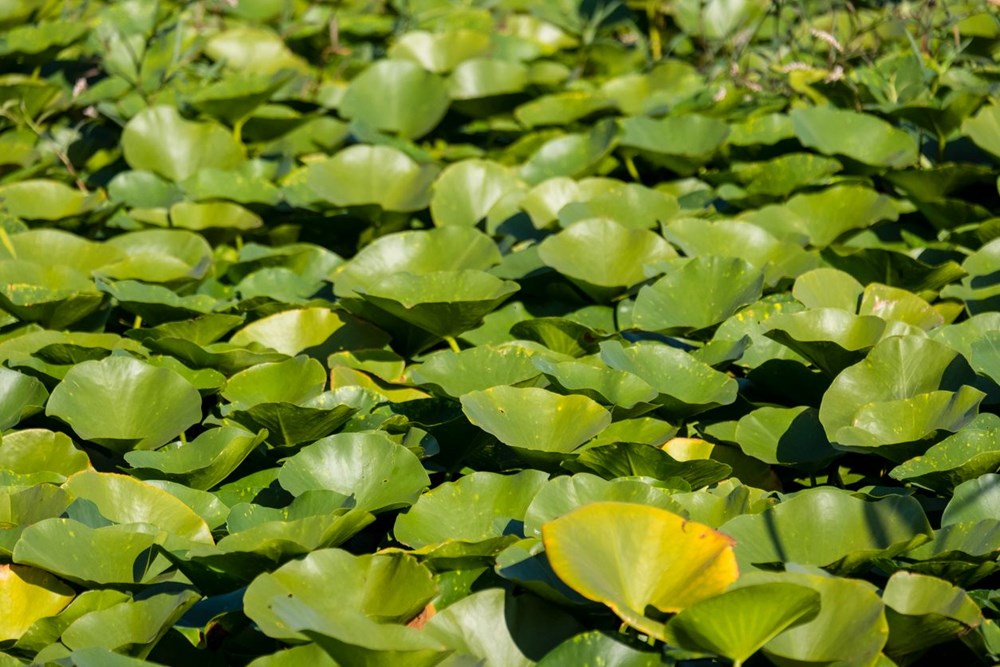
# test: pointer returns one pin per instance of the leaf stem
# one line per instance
(632, 170)
(452, 343)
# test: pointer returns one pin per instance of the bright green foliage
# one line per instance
(425, 332)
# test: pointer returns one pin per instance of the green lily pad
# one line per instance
(446, 303)
(590, 377)
(476, 369)
(37, 450)
(682, 142)
(969, 453)
(859, 136)
(923, 611)
(467, 191)
(697, 294)
(830, 528)
(574, 155)
(53, 295)
(213, 215)
(235, 97)
(396, 96)
(138, 188)
(535, 419)
(98, 556)
(640, 460)
(292, 381)
(732, 238)
(317, 332)
(133, 626)
(821, 218)
(369, 467)
(828, 288)
(477, 507)
(785, 436)
(124, 500)
(201, 464)
(440, 51)
(42, 245)
(898, 305)
(122, 403)
(378, 593)
(364, 175)
(737, 623)
(290, 424)
(158, 139)
(904, 391)
(781, 176)
(20, 396)
(629, 204)
(446, 249)
(559, 334)
(156, 304)
(983, 127)
(684, 384)
(478, 78)
(896, 269)
(831, 338)
(160, 256)
(604, 253)
(498, 628)
(594, 646)
(973, 500)
(850, 628)
(43, 199)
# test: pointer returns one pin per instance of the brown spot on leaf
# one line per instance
(420, 620)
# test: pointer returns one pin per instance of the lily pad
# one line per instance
(737, 623)
(535, 419)
(603, 253)
(969, 453)
(158, 139)
(446, 303)
(29, 594)
(476, 369)
(477, 507)
(633, 556)
(43, 199)
(385, 591)
(369, 467)
(364, 175)
(697, 294)
(859, 136)
(904, 391)
(317, 332)
(850, 628)
(829, 528)
(200, 464)
(923, 611)
(122, 403)
(684, 384)
(20, 396)
(446, 249)
(396, 96)
(467, 191)
(973, 500)
(53, 295)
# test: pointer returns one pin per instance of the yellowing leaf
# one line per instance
(688, 449)
(632, 556)
(26, 595)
